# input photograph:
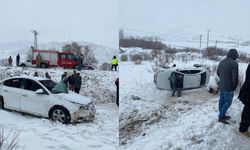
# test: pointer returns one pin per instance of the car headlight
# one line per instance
(84, 107)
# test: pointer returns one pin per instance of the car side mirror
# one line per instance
(39, 91)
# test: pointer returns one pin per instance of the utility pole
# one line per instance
(35, 38)
(200, 40)
(216, 44)
(208, 37)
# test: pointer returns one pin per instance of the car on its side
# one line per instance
(33, 95)
(192, 77)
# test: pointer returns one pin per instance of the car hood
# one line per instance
(74, 97)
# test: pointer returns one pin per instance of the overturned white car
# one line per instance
(34, 95)
(192, 78)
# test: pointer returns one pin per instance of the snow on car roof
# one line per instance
(28, 77)
(184, 68)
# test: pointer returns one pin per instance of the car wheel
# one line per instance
(43, 65)
(1, 103)
(59, 114)
(23, 65)
(76, 67)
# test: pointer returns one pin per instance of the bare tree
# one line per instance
(4, 144)
(74, 47)
(88, 55)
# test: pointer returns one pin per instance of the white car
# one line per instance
(33, 95)
(192, 77)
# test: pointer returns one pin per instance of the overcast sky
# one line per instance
(93, 21)
(188, 17)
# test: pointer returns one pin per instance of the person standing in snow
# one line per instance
(47, 75)
(114, 63)
(244, 97)
(228, 74)
(17, 60)
(38, 60)
(71, 82)
(10, 61)
(117, 91)
(65, 74)
(78, 83)
(176, 81)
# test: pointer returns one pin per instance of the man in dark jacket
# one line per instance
(17, 60)
(244, 97)
(78, 83)
(117, 91)
(176, 80)
(228, 74)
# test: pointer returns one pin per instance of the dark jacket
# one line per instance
(78, 81)
(228, 71)
(244, 94)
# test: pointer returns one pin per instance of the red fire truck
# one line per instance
(51, 58)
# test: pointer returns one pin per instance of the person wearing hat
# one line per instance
(228, 74)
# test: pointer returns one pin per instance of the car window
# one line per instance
(49, 84)
(71, 57)
(62, 56)
(31, 85)
(15, 83)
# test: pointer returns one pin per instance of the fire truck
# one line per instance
(54, 58)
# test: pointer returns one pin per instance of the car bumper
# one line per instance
(83, 115)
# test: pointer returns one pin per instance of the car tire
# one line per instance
(1, 103)
(43, 65)
(60, 114)
(76, 67)
(22, 65)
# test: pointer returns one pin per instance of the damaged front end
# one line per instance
(85, 113)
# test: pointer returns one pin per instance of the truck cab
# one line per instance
(67, 60)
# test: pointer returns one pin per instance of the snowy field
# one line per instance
(43, 134)
(150, 119)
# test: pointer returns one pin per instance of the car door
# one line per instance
(11, 92)
(31, 102)
(192, 79)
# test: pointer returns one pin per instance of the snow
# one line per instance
(38, 133)
(150, 119)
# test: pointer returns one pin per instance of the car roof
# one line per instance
(27, 77)
(185, 68)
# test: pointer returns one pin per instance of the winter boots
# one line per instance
(246, 133)
(223, 120)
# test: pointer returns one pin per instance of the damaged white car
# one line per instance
(191, 77)
(33, 95)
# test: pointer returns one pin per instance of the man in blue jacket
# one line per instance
(228, 74)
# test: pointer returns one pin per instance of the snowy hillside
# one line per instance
(150, 119)
(103, 54)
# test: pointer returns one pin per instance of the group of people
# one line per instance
(73, 81)
(10, 60)
(228, 74)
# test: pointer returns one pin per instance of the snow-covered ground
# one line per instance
(150, 119)
(43, 134)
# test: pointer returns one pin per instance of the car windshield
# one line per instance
(49, 84)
